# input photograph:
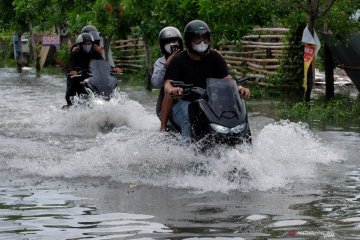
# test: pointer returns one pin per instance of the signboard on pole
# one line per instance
(311, 49)
(51, 40)
(309, 55)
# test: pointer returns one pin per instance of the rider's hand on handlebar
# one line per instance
(117, 70)
(176, 92)
(244, 91)
(73, 73)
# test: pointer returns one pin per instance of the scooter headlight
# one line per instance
(225, 130)
(239, 128)
(219, 128)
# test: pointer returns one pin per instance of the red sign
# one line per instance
(50, 40)
(309, 52)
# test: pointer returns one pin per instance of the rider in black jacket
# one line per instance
(79, 62)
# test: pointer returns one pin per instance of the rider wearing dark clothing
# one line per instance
(187, 70)
(80, 61)
(194, 65)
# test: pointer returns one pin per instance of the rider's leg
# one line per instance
(70, 90)
(180, 116)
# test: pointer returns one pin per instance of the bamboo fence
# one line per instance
(258, 54)
(129, 54)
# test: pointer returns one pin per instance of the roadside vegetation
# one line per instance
(341, 110)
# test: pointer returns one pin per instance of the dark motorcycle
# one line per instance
(96, 82)
(218, 113)
(101, 82)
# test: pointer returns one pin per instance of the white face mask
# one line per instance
(86, 48)
(200, 47)
(167, 47)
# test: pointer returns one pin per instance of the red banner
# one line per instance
(309, 54)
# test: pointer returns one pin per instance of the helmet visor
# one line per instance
(198, 37)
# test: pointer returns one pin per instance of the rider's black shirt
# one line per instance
(81, 61)
(183, 68)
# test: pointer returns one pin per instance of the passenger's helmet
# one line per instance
(93, 31)
(89, 28)
(196, 28)
(84, 37)
(168, 35)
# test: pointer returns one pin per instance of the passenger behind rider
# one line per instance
(171, 43)
(79, 62)
(98, 46)
(194, 65)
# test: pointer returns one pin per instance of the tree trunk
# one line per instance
(33, 49)
(329, 73)
(19, 62)
(310, 76)
(148, 66)
(107, 41)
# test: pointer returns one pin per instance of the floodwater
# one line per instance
(106, 172)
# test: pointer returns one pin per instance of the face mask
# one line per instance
(86, 48)
(200, 47)
(167, 47)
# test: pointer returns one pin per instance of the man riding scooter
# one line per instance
(192, 66)
(79, 62)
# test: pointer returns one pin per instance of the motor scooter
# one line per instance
(217, 114)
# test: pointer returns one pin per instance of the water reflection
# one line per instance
(53, 214)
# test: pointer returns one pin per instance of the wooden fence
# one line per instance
(129, 54)
(258, 54)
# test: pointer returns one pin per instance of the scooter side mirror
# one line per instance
(242, 80)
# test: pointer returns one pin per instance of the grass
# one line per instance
(57, 71)
(339, 111)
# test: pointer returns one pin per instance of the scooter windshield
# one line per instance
(102, 81)
(223, 98)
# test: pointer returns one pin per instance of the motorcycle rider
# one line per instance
(98, 46)
(80, 61)
(194, 65)
(171, 43)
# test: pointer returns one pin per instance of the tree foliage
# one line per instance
(229, 19)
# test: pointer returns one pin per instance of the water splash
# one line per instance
(282, 153)
(38, 138)
(91, 117)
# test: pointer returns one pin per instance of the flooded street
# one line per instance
(106, 172)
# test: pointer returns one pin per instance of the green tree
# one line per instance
(106, 15)
(141, 13)
(232, 19)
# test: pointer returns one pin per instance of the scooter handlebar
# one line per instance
(185, 86)
(181, 84)
(80, 74)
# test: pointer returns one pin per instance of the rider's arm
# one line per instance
(157, 78)
(166, 106)
(73, 64)
(168, 102)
